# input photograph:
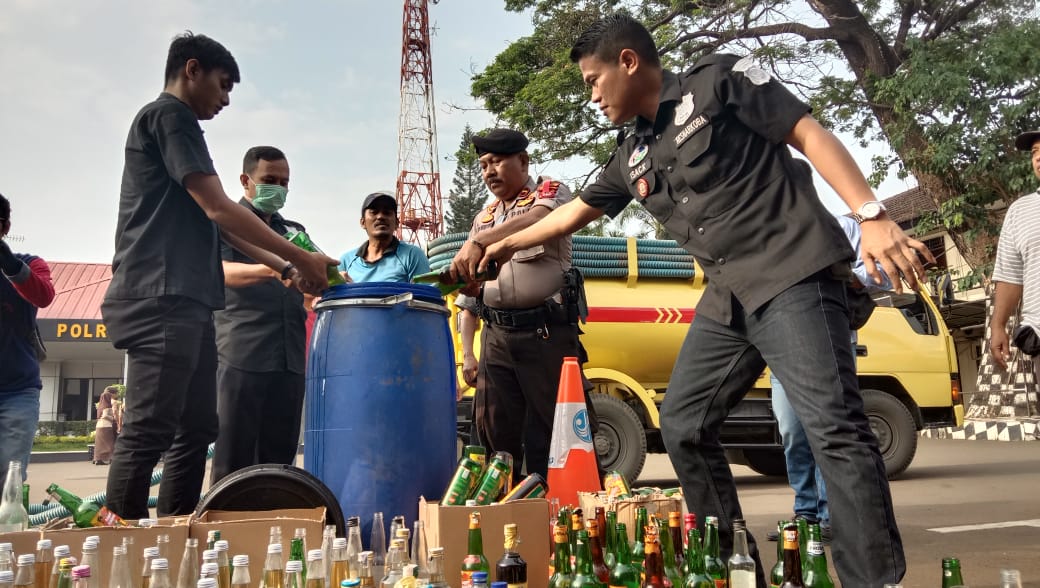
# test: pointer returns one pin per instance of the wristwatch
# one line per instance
(868, 211)
(287, 270)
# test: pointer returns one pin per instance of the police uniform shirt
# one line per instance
(534, 274)
(261, 329)
(165, 244)
(714, 168)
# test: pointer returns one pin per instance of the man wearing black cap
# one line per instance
(1016, 272)
(530, 320)
(383, 258)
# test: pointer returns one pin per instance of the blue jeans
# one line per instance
(19, 417)
(810, 492)
(803, 334)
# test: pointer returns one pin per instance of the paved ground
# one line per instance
(951, 483)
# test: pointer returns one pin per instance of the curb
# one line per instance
(1024, 429)
(59, 456)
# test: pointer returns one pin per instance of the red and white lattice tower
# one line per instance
(418, 175)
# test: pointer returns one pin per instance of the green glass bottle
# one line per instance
(816, 574)
(611, 536)
(562, 576)
(668, 553)
(584, 576)
(302, 240)
(951, 572)
(803, 538)
(298, 552)
(694, 576)
(776, 576)
(676, 535)
(623, 574)
(84, 512)
(443, 282)
(713, 564)
(474, 560)
(639, 547)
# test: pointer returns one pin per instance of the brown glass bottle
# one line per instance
(511, 569)
(792, 558)
(599, 566)
(653, 562)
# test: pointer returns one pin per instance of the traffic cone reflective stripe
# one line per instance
(572, 456)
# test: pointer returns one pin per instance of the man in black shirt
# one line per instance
(260, 336)
(167, 280)
(709, 158)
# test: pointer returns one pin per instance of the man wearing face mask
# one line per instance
(260, 336)
(383, 257)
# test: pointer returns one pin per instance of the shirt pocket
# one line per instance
(704, 171)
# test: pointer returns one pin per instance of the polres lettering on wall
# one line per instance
(73, 330)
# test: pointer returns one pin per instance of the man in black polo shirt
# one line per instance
(709, 158)
(167, 280)
(260, 336)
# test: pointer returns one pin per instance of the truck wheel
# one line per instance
(895, 429)
(620, 441)
(767, 462)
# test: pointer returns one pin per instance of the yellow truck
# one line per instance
(639, 311)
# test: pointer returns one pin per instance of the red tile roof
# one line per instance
(908, 205)
(79, 289)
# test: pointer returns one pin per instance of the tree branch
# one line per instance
(944, 21)
(788, 28)
(906, 18)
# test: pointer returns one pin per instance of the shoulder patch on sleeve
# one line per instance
(548, 189)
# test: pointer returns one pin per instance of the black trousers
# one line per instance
(171, 400)
(259, 419)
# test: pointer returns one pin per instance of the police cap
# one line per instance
(1023, 142)
(500, 142)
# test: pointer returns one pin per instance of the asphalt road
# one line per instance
(971, 484)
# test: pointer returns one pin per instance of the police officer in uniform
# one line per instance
(530, 312)
(709, 157)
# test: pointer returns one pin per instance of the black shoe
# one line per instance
(825, 532)
(774, 534)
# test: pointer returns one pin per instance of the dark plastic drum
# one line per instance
(380, 408)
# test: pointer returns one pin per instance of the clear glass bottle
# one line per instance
(740, 567)
(150, 553)
(275, 536)
(209, 558)
(1010, 579)
(240, 574)
(435, 567)
(6, 579)
(394, 564)
(223, 563)
(328, 535)
(60, 552)
(315, 570)
(25, 573)
(131, 559)
(161, 572)
(209, 570)
(293, 574)
(92, 558)
(274, 570)
(341, 567)
(80, 576)
(396, 523)
(404, 535)
(163, 543)
(44, 562)
(420, 554)
(353, 548)
(7, 561)
(377, 545)
(13, 516)
(188, 574)
(206, 583)
(365, 578)
(120, 575)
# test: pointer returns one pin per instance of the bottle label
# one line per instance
(815, 548)
(467, 579)
(719, 583)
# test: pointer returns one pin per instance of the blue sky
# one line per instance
(320, 79)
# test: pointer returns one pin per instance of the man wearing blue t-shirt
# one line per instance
(383, 258)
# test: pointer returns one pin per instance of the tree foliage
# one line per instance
(947, 84)
(468, 191)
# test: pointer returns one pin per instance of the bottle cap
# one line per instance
(118, 550)
(471, 502)
(240, 560)
(409, 570)
(61, 551)
(499, 584)
(160, 563)
(211, 554)
(350, 583)
(80, 572)
(274, 548)
(43, 544)
(353, 522)
(90, 543)
(294, 565)
(207, 583)
(7, 577)
(221, 545)
(480, 577)
(301, 532)
(339, 543)
(6, 547)
(146, 522)
(208, 569)
(314, 555)
(152, 552)
(26, 559)
(68, 562)
(93, 538)
(436, 551)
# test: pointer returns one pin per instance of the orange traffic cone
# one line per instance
(572, 457)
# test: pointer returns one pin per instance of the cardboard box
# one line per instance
(448, 527)
(248, 532)
(175, 527)
(655, 503)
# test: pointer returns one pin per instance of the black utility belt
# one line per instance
(549, 313)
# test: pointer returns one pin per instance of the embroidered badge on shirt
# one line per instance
(638, 171)
(685, 109)
(638, 155)
(751, 70)
(643, 187)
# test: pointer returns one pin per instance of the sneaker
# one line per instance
(774, 534)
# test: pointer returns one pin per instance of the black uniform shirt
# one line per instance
(165, 243)
(262, 328)
(715, 170)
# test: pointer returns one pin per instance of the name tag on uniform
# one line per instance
(639, 170)
(695, 125)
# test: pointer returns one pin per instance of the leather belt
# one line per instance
(524, 318)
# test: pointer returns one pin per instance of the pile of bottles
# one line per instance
(478, 482)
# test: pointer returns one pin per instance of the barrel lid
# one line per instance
(423, 292)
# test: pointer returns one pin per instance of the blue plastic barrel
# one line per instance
(380, 408)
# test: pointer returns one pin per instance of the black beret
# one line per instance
(500, 142)
(1024, 142)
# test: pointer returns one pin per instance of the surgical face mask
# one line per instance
(269, 198)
